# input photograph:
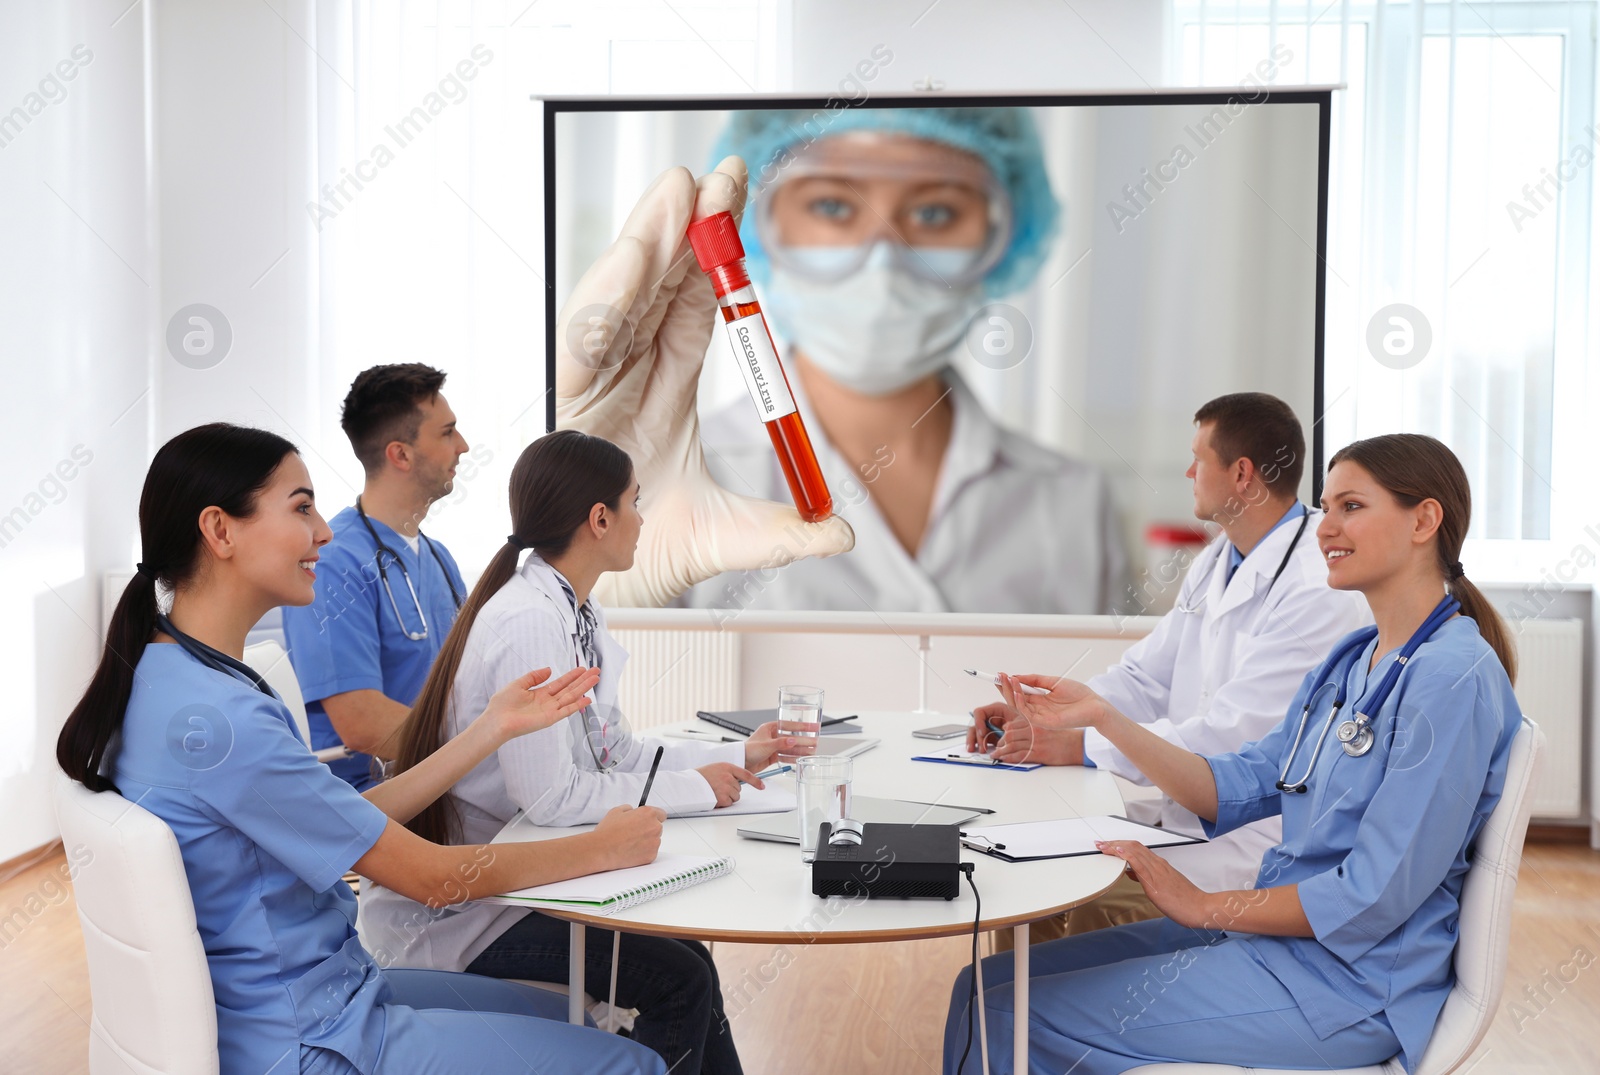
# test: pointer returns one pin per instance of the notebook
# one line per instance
(1027, 841)
(768, 800)
(746, 721)
(617, 890)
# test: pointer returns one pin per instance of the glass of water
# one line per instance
(824, 786)
(800, 714)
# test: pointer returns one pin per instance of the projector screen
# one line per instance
(1134, 257)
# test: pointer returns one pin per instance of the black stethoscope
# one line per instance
(383, 574)
(215, 658)
(1205, 584)
(1356, 736)
(602, 723)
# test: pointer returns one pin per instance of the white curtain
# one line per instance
(430, 166)
(1455, 116)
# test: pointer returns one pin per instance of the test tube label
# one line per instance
(758, 362)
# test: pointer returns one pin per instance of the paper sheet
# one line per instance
(768, 800)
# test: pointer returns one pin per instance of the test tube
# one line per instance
(715, 240)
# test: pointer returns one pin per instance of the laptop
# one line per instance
(783, 828)
(844, 746)
(746, 721)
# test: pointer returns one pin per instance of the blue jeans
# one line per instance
(673, 984)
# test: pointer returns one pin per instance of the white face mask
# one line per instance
(877, 330)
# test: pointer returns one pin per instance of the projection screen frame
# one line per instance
(1320, 96)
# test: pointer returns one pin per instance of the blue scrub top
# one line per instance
(1236, 558)
(266, 833)
(348, 639)
(1378, 844)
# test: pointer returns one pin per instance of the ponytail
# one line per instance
(81, 749)
(1490, 623)
(216, 465)
(557, 481)
(1414, 468)
(423, 731)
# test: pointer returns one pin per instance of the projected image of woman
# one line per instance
(874, 242)
(876, 245)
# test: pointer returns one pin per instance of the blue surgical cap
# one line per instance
(1004, 138)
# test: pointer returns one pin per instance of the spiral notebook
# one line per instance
(617, 890)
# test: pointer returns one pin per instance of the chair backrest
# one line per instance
(153, 1007)
(271, 661)
(1484, 929)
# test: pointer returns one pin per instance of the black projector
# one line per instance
(883, 861)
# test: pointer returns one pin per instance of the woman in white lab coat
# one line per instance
(574, 507)
(878, 244)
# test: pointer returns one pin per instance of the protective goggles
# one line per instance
(940, 211)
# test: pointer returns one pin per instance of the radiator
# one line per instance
(1550, 691)
(671, 674)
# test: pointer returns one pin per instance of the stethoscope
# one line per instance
(602, 725)
(1204, 584)
(215, 659)
(1356, 736)
(383, 574)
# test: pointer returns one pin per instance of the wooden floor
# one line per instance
(848, 1008)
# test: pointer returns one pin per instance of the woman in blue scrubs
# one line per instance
(1341, 954)
(174, 721)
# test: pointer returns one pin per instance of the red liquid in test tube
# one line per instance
(717, 248)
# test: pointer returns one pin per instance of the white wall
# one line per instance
(232, 129)
(173, 171)
(991, 45)
(76, 294)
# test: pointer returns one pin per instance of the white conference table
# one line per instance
(767, 898)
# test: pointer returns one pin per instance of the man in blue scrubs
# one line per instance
(386, 594)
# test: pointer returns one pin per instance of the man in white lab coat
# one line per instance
(1253, 615)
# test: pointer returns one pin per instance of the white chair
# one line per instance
(154, 1013)
(1483, 937)
(272, 662)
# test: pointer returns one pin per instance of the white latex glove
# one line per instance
(630, 342)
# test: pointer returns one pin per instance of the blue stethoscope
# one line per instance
(383, 574)
(1356, 736)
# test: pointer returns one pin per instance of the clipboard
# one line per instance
(978, 761)
(1031, 841)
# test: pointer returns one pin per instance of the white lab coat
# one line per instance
(1013, 527)
(1214, 679)
(550, 775)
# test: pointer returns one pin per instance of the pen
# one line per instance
(702, 736)
(651, 779)
(775, 771)
(972, 759)
(990, 677)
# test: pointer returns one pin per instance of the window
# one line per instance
(1461, 188)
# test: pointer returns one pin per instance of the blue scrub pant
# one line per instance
(1148, 993)
(439, 1023)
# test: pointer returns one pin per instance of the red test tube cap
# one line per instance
(715, 241)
